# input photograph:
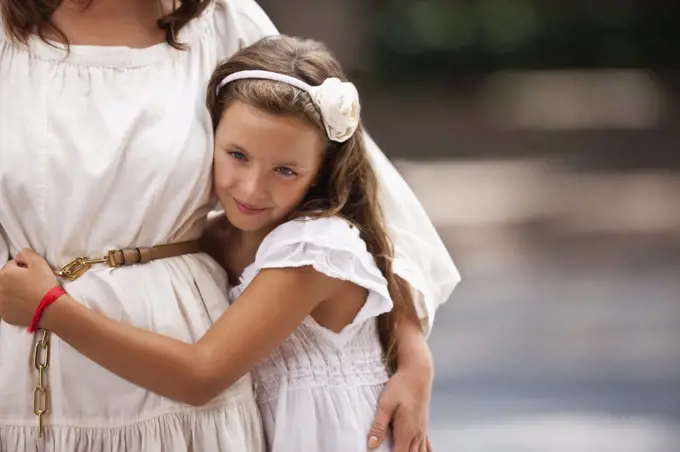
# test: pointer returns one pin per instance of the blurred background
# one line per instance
(541, 137)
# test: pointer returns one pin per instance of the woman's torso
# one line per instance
(112, 148)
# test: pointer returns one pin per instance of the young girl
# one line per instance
(315, 299)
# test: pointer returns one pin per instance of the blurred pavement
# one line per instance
(564, 334)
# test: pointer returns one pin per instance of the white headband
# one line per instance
(338, 101)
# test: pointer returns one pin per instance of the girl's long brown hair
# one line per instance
(347, 185)
(23, 18)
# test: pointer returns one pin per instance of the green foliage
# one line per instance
(443, 38)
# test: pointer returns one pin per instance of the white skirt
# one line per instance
(93, 410)
(228, 425)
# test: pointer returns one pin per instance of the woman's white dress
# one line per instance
(318, 391)
(111, 147)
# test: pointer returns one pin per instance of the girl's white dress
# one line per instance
(111, 147)
(319, 390)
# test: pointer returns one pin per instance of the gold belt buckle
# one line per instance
(78, 266)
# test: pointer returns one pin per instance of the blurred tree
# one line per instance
(442, 38)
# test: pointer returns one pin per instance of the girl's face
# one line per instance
(263, 165)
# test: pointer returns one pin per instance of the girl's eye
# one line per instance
(285, 171)
(237, 155)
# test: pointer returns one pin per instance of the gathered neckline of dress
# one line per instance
(118, 56)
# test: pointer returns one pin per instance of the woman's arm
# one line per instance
(411, 338)
(269, 310)
(412, 344)
(405, 402)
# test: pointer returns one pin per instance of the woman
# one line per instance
(108, 146)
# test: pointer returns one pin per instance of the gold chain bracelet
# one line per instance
(41, 393)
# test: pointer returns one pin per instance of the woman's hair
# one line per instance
(23, 18)
(347, 185)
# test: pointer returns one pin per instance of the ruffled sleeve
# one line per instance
(332, 247)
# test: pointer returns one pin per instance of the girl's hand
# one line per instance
(405, 404)
(24, 281)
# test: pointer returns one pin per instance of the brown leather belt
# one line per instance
(119, 258)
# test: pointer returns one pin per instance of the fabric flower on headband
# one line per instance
(339, 105)
(337, 101)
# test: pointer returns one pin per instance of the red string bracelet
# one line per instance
(50, 297)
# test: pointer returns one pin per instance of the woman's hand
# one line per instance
(405, 404)
(24, 281)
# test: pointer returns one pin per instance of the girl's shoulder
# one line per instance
(331, 245)
(331, 233)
